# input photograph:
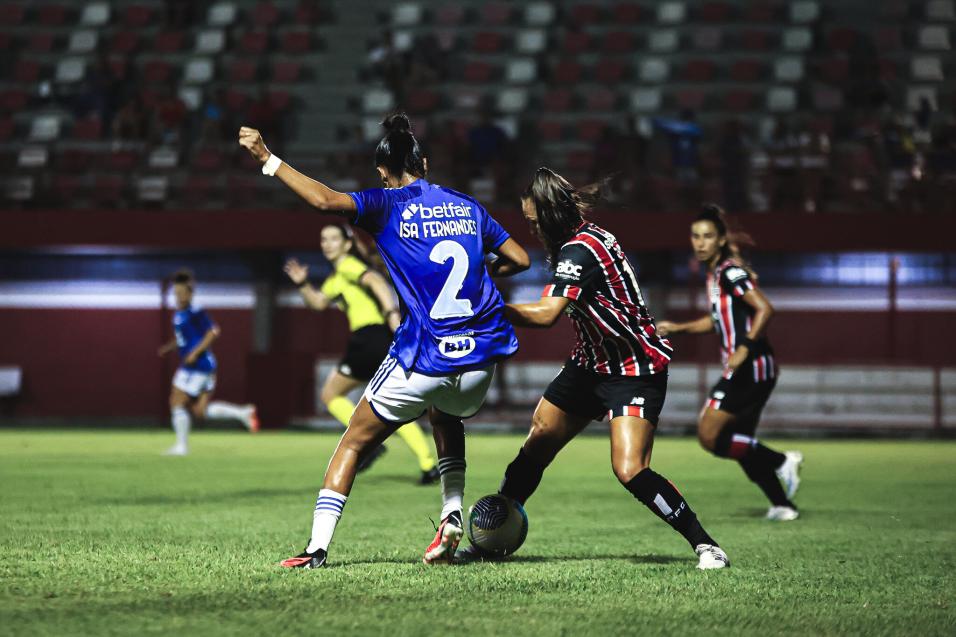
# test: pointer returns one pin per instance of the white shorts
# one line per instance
(194, 383)
(398, 396)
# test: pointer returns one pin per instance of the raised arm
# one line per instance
(383, 293)
(703, 325)
(314, 192)
(511, 260)
(542, 313)
(300, 276)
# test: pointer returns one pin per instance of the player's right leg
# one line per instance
(449, 434)
(179, 403)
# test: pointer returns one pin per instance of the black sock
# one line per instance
(740, 446)
(522, 477)
(762, 474)
(666, 502)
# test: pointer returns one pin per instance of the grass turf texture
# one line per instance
(101, 535)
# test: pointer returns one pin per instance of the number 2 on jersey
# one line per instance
(448, 305)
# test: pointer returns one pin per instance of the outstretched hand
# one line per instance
(296, 271)
(251, 139)
(666, 328)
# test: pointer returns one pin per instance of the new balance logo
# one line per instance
(637, 400)
(445, 210)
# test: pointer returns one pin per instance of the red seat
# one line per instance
(580, 160)
(591, 130)
(236, 100)
(746, 70)
(715, 12)
(599, 99)
(836, 70)
(6, 129)
(627, 13)
(889, 39)
(477, 72)
(11, 14)
(699, 71)
(208, 159)
(308, 12)
(609, 71)
(122, 160)
(13, 100)
(487, 42)
(449, 15)
(67, 188)
(51, 15)
(40, 42)
(422, 102)
(254, 42)
(759, 12)
(26, 71)
(576, 42)
(754, 40)
(691, 99)
(841, 39)
(242, 71)
(6, 42)
(108, 189)
(157, 71)
(117, 66)
(558, 100)
(279, 100)
(550, 131)
(198, 188)
(888, 70)
(169, 42)
(739, 100)
(265, 14)
(76, 160)
(89, 128)
(294, 42)
(618, 42)
(286, 72)
(137, 16)
(567, 72)
(124, 42)
(496, 14)
(585, 14)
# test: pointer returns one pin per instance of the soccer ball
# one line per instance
(497, 525)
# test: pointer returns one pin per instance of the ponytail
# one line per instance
(399, 152)
(560, 208)
(735, 238)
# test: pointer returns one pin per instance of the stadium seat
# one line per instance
(512, 100)
(531, 41)
(45, 128)
(208, 160)
(934, 37)
(645, 100)
(157, 71)
(841, 39)
(826, 98)
(221, 14)
(254, 42)
(163, 158)
(422, 102)
(804, 12)
(788, 69)
(618, 42)
(198, 188)
(916, 94)
(13, 100)
(153, 188)
(377, 101)
(295, 42)
(450, 15)
(169, 42)
(575, 42)
(52, 15)
(33, 157)
(67, 188)
(108, 190)
(797, 39)
(715, 12)
(781, 99)
(487, 42)
(19, 188)
(521, 71)
(496, 14)
(627, 13)
(95, 14)
(137, 16)
(122, 160)
(210, 41)
(888, 70)
(87, 129)
(610, 70)
(690, 99)
(940, 10)
(286, 72)
(124, 42)
(198, 71)
(406, 14)
(26, 71)
(707, 39)
(308, 12)
(739, 100)
(927, 69)
(403, 40)
(265, 14)
(557, 100)
(75, 160)
(70, 70)
(242, 71)
(584, 15)
(888, 39)
(699, 70)
(580, 160)
(236, 100)
(671, 12)
(191, 97)
(653, 70)
(478, 72)
(599, 99)
(12, 14)
(82, 42)
(539, 13)
(590, 130)
(7, 128)
(756, 40)
(836, 70)
(746, 70)
(550, 130)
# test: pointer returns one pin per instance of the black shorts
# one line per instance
(742, 396)
(367, 348)
(584, 393)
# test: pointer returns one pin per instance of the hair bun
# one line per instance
(397, 123)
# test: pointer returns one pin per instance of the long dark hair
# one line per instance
(360, 249)
(399, 152)
(735, 238)
(560, 208)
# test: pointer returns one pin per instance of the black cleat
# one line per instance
(366, 464)
(306, 560)
(429, 477)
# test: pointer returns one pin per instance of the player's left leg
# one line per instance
(179, 402)
(449, 434)
(206, 408)
(632, 440)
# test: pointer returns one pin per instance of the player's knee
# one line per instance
(327, 395)
(626, 468)
(198, 412)
(707, 438)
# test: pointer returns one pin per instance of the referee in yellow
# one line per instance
(368, 301)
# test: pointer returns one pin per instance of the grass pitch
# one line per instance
(101, 535)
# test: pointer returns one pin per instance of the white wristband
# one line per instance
(271, 166)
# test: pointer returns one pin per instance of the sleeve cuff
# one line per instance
(497, 244)
(743, 288)
(358, 205)
(572, 292)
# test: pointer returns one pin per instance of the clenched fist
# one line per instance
(251, 139)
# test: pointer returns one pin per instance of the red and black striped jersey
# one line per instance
(733, 317)
(615, 332)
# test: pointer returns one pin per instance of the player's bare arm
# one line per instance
(542, 313)
(512, 259)
(203, 345)
(763, 312)
(703, 325)
(383, 293)
(167, 347)
(299, 274)
(314, 192)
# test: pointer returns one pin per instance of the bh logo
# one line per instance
(456, 346)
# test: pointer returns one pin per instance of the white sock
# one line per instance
(452, 471)
(328, 510)
(219, 410)
(181, 425)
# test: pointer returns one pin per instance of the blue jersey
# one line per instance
(434, 241)
(191, 325)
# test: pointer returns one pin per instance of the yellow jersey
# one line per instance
(343, 287)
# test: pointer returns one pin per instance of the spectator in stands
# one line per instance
(783, 152)
(385, 63)
(170, 117)
(98, 93)
(487, 141)
(684, 135)
(130, 121)
(426, 61)
(734, 153)
(899, 155)
(215, 120)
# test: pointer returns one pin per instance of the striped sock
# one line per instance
(328, 510)
(452, 471)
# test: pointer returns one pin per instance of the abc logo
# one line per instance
(456, 346)
(568, 269)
